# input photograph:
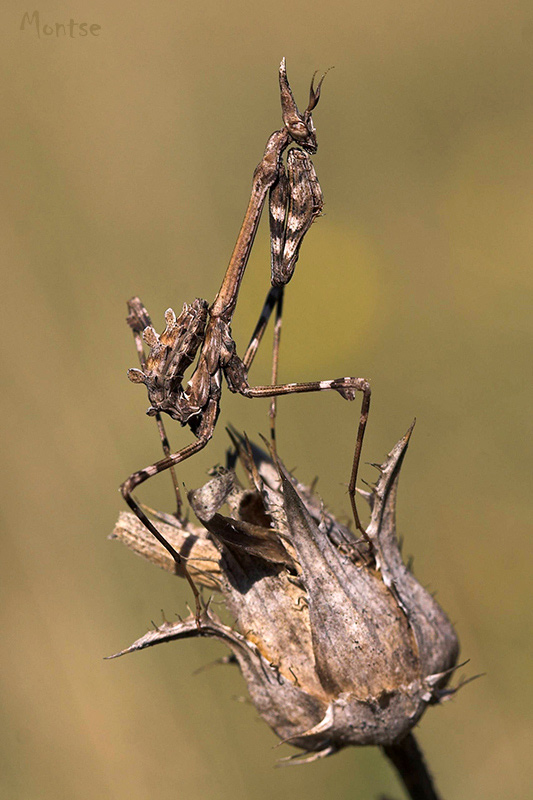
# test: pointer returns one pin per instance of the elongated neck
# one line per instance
(265, 175)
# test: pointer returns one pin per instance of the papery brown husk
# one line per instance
(338, 646)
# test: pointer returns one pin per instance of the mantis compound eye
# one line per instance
(298, 130)
(304, 135)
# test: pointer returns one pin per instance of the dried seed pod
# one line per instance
(337, 648)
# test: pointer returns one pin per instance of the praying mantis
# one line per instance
(203, 332)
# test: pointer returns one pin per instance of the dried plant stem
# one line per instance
(408, 761)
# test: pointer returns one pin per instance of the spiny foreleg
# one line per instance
(295, 202)
(138, 319)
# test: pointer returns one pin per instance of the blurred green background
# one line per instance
(127, 162)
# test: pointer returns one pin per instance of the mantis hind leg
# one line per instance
(347, 388)
(137, 478)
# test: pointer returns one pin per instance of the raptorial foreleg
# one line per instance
(295, 202)
(138, 319)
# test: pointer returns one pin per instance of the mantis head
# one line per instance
(299, 126)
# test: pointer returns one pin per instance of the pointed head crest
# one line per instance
(300, 126)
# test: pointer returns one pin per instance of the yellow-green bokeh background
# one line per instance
(126, 164)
